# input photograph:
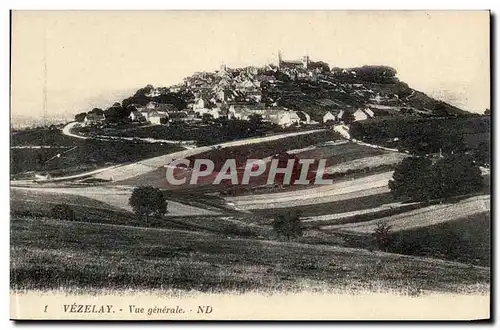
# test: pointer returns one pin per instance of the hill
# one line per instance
(51, 254)
(315, 89)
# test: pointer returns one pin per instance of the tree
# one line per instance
(97, 111)
(116, 113)
(416, 178)
(255, 122)
(482, 153)
(376, 73)
(80, 117)
(455, 175)
(411, 179)
(207, 118)
(148, 201)
(402, 89)
(348, 117)
(288, 225)
(487, 112)
(320, 65)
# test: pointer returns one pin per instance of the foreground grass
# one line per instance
(49, 254)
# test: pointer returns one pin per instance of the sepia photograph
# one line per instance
(250, 165)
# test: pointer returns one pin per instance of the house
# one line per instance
(158, 119)
(341, 115)
(363, 114)
(287, 119)
(92, 119)
(360, 115)
(148, 113)
(369, 112)
(136, 116)
(166, 108)
(304, 117)
(202, 103)
(244, 111)
(203, 106)
(276, 115)
(329, 117)
(178, 116)
(145, 113)
(152, 105)
(154, 92)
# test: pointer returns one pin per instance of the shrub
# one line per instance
(234, 229)
(288, 225)
(382, 235)
(62, 212)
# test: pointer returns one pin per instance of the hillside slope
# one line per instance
(81, 255)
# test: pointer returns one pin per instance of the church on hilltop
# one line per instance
(298, 64)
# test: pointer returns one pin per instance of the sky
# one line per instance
(95, 58)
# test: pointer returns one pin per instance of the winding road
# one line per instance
(67, 131)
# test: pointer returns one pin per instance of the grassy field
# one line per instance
(340, 152)
(425, 216)
(89, 154)
(262, 150)
(340, 206)
(424, 134)
(38, 204)
(466, 240)
(49, 254)
(41, 136)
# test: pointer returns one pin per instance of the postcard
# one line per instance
(250, 165)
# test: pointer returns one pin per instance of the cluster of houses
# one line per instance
(243, 111)
(236, 93)
(162, 114)
(359, 114)
(93, 119)
(158, 114)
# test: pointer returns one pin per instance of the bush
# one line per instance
(62, 212)
(242, 231)
(288, 225)
(382, 235)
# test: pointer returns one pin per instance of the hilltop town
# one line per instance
(286, 93)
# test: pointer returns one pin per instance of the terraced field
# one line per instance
(345, 190)
(422, 217)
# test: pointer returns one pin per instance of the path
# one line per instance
(67, 131)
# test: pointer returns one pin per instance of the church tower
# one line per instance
(305, 62)
(279, 59)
